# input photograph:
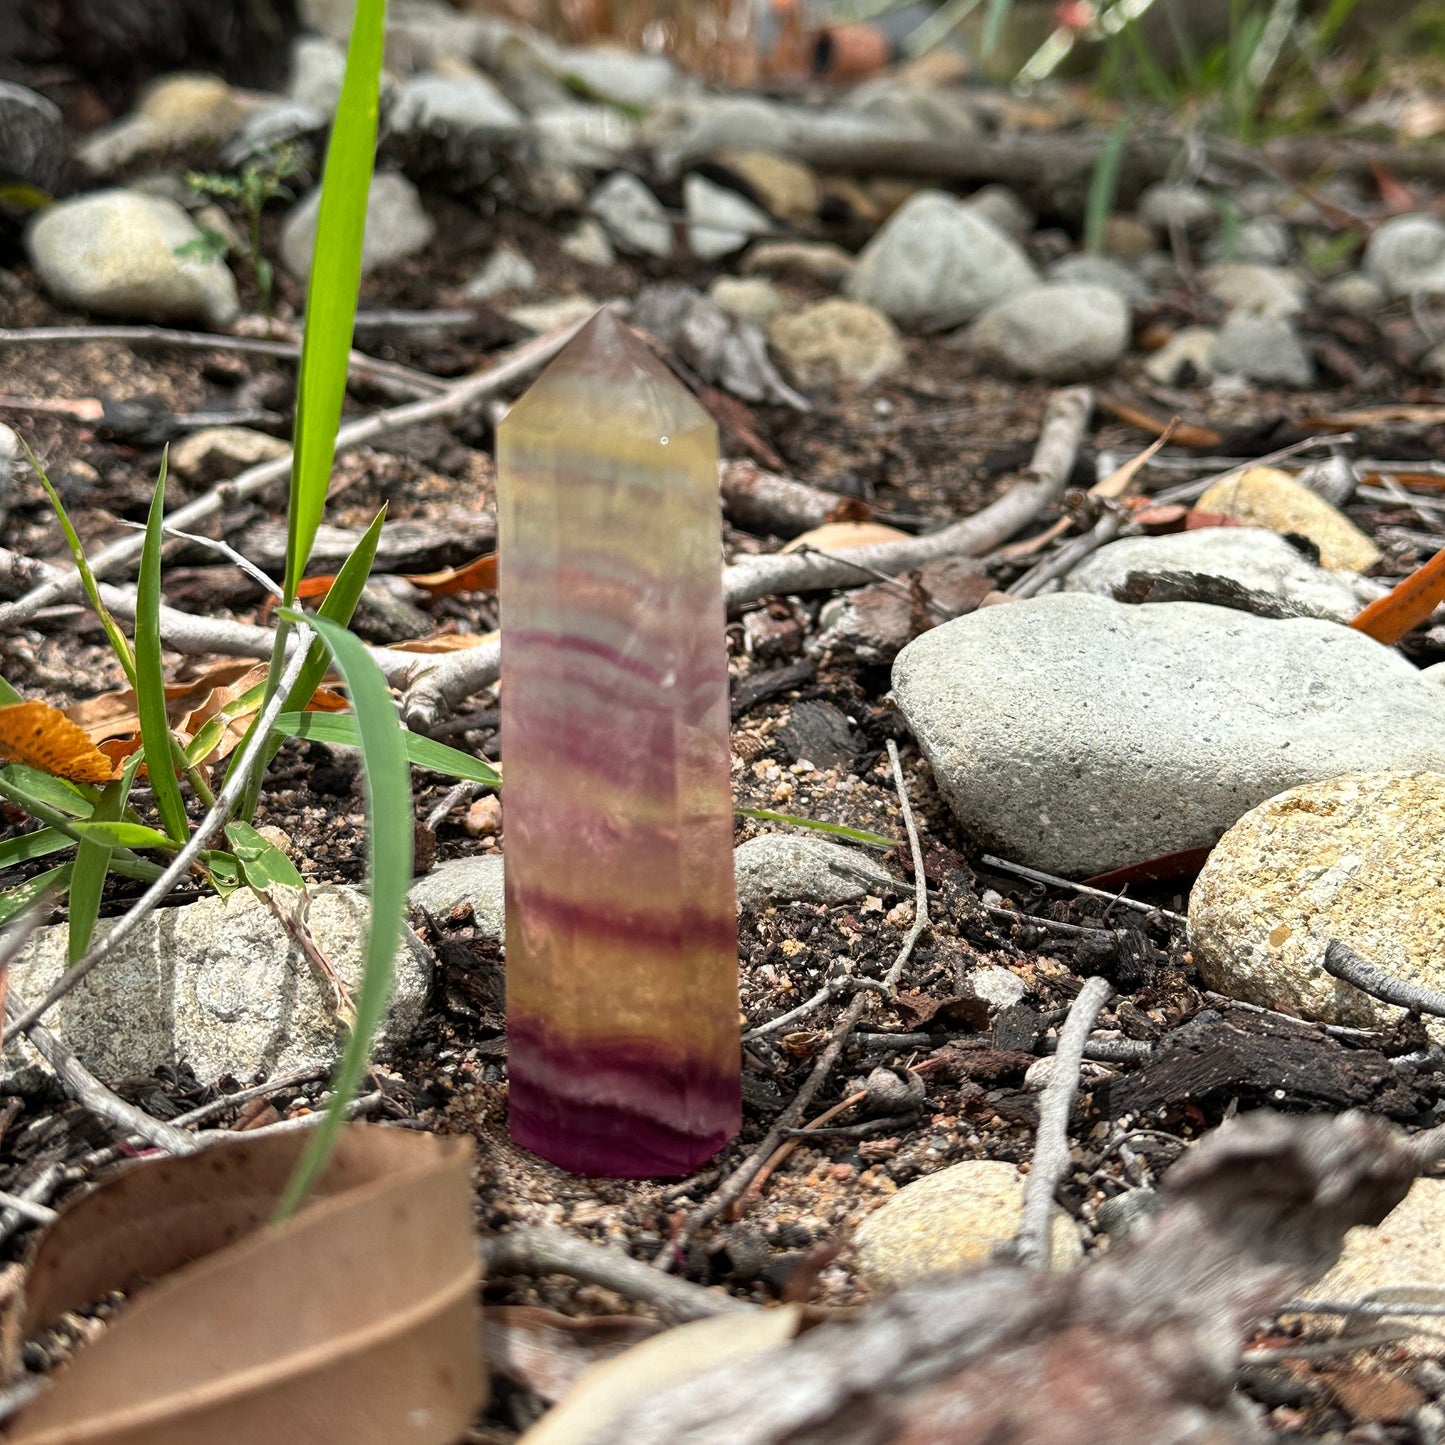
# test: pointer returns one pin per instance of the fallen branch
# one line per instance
(1140, 1345)
(752, 578)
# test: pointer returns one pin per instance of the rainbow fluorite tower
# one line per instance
(622, 977)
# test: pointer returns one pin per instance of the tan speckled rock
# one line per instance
(1403, 1253)
(1268, 497)
(951, 1220)
(836, 340)
(1360, 858)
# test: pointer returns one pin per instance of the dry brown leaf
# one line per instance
(114, 715)
(1406, 413)
(839, 536)
(478, 575)
(667, 1359)
(353, 1322)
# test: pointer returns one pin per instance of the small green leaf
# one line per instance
(8, 694)
(124, 835)
(858, 835)
(262, 862)
(340, 730)
(224, 870)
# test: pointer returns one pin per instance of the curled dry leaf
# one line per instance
(355, 1321)
(839, 536)
(546, 1352)
(43, 737)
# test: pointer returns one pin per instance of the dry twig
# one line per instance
(1341, 961)
(1051, 1146)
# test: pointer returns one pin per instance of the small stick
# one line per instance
(203, 1112)
(458, 395)
(733, 1186)
(39, 1189)
(86, 1089)
(847, 984)
(920, 883)
(1037, 875)
(775, 1159)
(544, 1250)
(1341, 961)
(37, 1213)
(1051, 1146)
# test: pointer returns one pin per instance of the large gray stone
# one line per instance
(1354, 858)
(114, 253)
(620, 76)
(1255, 558)
(1078, 735)
(32, 136)
(793, 868)
(1085, 269)
(1267, 290)
(633, 216)
(475, 881)
(456, 104)
(1406, 255)
(219, 985)
(1264, 348)
(1062, 331)
(396, 226)
(720, 221)
(935, 263)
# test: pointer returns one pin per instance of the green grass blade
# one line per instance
(92, 864)
(120, 645)
(993, 19)
(38, 844)
(333, 286)
(1104, 186)
(340, 729)
(858, 835)
(150, 680)
(337, 606)
(8, 694)
(14, 901)
(389, 812)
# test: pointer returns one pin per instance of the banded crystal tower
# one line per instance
(622, 982)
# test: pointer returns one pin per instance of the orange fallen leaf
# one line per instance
(352, 1323)
(1387, 619)
(43, 737)
(840, 536)
(478, 575)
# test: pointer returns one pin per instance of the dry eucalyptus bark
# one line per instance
(1139, 1347)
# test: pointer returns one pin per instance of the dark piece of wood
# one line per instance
(763, 686)
(1260, 1059)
